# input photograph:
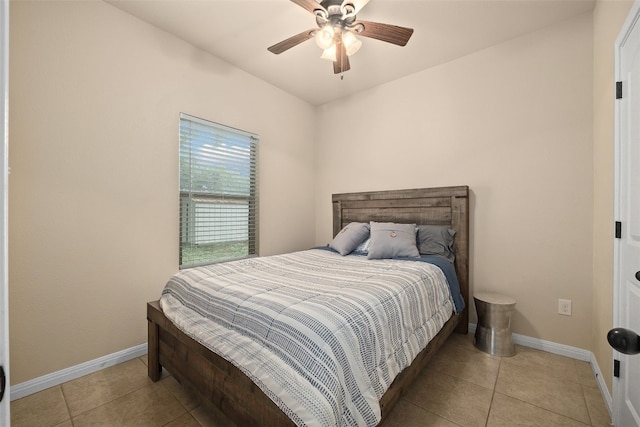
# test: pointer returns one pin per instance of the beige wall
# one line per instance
(514, 122)
(608, 17)
(95, 99)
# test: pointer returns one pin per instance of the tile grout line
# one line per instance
(584, 397)
(187, 411)
(408, 402)
(575, 381)
(586, 404)
(550, 410)
(103, 403)
(66, 404)
(493, 394)
(167, 374)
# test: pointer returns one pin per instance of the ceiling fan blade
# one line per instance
(385, 32)
(291, 41)
(310, 5)
(341, 64)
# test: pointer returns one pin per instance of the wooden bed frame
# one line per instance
(219, 382)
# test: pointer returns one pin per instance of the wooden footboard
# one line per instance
(220, 383)
(215, 380)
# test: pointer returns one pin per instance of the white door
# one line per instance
(626, 386)
(4, 294)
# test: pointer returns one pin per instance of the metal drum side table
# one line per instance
(493, 331)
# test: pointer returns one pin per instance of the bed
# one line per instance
(227, 387)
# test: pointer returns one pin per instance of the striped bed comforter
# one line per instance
(322, 335)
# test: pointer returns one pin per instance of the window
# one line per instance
(218, 192)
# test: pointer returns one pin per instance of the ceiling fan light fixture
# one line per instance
(324, 37)
(330, 53)
(337, 28)
(351, 42)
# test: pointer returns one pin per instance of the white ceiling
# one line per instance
(239, 32)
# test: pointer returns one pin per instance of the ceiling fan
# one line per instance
(337, 30)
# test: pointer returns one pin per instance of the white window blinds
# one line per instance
(218, 192)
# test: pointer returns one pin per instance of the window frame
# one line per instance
(192, 199)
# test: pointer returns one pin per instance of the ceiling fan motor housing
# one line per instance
(336, 14)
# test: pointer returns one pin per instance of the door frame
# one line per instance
(632, 19)
(5, 417)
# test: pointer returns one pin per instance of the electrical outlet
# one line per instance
(564, 307)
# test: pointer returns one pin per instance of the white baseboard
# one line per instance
(568, 351)
(548, 346)
(56, 378)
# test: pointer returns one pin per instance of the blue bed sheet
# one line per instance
(444, 264)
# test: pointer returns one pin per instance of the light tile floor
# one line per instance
(462, 386)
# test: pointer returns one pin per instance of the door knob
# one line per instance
(638, 275)
(624, 341)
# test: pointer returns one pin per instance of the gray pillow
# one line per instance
(390, 240)
(350, 237)
(436, 240)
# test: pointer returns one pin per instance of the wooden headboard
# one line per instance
(439, 206)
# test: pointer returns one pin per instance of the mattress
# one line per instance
(323, 335)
